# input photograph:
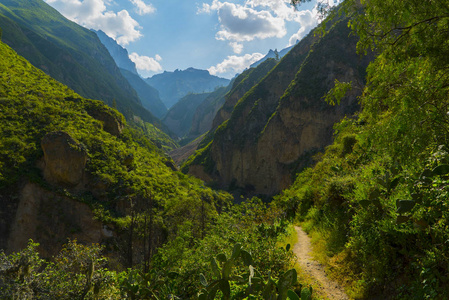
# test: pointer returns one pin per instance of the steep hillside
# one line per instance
(282, 121)
(172, 86)
(206, 111)
(71, 167)
(179, 116)
(69, 53)
(118, 53)
(149, 96)
(242, 84)
(217, 108)
(376, 203)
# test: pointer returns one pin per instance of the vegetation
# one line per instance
(376, 201)
(378, 195)
(65, 51)
(168, 225)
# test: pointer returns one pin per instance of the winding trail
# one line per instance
(314, 269)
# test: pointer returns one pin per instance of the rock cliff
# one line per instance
(277, 126)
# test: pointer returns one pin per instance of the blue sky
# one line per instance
(221, 36)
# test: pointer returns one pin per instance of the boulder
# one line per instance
(64, 158)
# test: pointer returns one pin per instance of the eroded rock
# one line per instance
(64, 158)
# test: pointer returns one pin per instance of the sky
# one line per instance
(223, 37)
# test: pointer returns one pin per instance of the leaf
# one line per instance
(172, 275)
(225, 288)
(215, 268)
(292, 295)
(417, 198)
(441, 170)
(374, 195)
(404, 206)
(236, 251)
(222, 257)
(395, 182)
(426, 174)
(213, 289)
(247, 258)
(203, 280)
(365, 203)
(286, 280)
(402, 219)
(287, 248)
(306, 293)
(226, 271)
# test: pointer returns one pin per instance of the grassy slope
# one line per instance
(66, 51)
(33, 104)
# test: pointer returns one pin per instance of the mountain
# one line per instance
(118, 53)
(277, 126)
(69, 53)
(242, 84)
(204, 114)
(172, 86)
(217, 108)
(272, 54)
(149, 96)
(72, 168)
(179, 116)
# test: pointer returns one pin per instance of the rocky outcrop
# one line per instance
(49, 219)
(112, 123)
(64, 159)
(277, 126)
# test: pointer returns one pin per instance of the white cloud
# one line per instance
(307, 20)
(260, 19)
(143, 8)
(241, 23)
(236, 47)
(235, 64)
(94, 14)
(145, 63)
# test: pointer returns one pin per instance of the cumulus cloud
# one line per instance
(146, 63)
(236, 47)
(235, 64)
(94, 14)
(260, 19)
(242, 23)
(307, 20)
(143, 8)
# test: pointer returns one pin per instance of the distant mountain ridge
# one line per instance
(118, 53)
(172, 86)
(148, 96)
(272, 54)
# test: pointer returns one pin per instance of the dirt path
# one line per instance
(314, 269)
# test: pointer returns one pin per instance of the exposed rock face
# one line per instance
(206, 111)
(279, 124)
(49, 219)
(111, 123)
(64, 159)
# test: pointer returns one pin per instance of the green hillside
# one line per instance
(162, 225)
(376, 202)
(69, 53)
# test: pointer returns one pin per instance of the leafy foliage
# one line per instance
(378, 194)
